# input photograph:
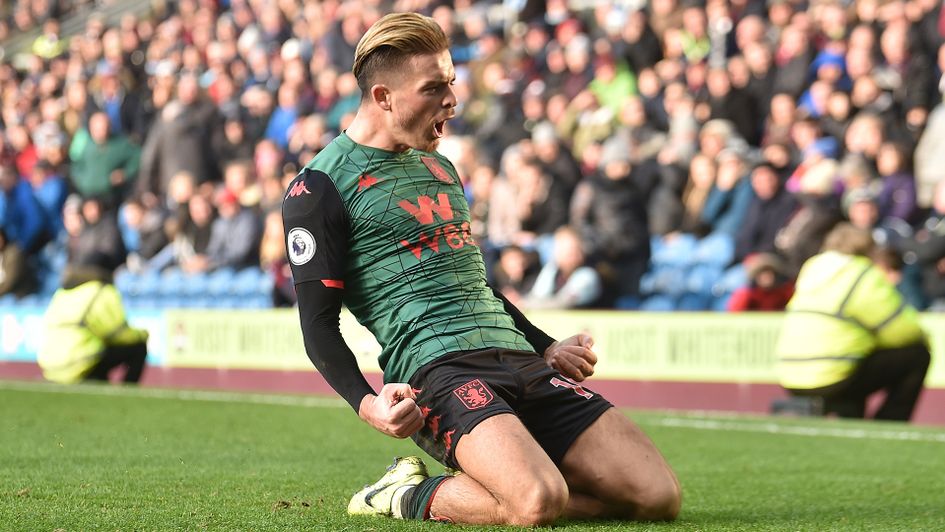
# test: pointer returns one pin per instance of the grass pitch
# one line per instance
(101, 458)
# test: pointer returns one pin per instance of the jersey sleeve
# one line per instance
(316, 229)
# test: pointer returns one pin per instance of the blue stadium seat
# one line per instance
(220, 281)
(245, 282)
(195, 284)
(717, 249)
(126, 282)
(677, 252)
(694, 302)
(7, 300)
(173, 301)
(627, 303)
(731, 280)
(49, 282)
(147, 284)
(702, 278)
(203, 300)
(658, 303)
(171, 282)
(664, 279)
(720, 304)
(33, 301)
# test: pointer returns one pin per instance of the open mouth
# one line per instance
(438, 128)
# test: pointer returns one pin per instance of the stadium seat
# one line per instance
(49, 282)
(246, 282)
(220, 281)
(126, 282)
(694, 302)
(173, 301)
(147, 284)
(171, 282)
(717, 249)
(720, 303)
(658, 303)
(731, 280)
(195, 284)
(33, 301)
(627, 303)
(677, 252)
(702, 278)
(664, 279)
(7, 300)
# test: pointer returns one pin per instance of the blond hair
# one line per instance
(391, 41)
(850, 240)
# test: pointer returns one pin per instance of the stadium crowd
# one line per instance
(670, 154)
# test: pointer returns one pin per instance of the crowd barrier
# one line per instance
(687, 347)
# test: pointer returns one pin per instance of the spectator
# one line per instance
(224, 250)
(50, 189)
(702, 181)
(907, 280)
(731, 194)
(181, 139)
(103, 164)
(87, 334)
(21, 215)
(126, 116)
(272, 259)
(99, 241)
(515, 273)
(927, 250)
(284, 117)
(897, 199)
(862, 209)
(142, 231)
(729, 103)
(235, 145)
(818, 212)
(15, 277)
(770, 210)
(609, 212)
(188, 232)
(566, 281)
(848, 334)
(769, 287)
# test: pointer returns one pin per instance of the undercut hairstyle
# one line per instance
(391, 42)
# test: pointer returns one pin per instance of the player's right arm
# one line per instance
(316, 228)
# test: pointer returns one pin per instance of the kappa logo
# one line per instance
(474, 394)
(438, 171)
(298, 189)
(301, 246)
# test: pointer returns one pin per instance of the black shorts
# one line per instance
(460, 390)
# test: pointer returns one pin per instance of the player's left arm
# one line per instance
(573, 357)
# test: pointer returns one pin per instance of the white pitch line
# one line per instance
(797, 430)
(182, 395)
(326, 402)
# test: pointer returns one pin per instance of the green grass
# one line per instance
(98, 458)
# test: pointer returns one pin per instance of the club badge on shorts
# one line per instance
(301, 246)
(474, 394)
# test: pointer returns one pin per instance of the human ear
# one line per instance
(381, 96)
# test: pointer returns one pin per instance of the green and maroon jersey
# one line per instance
(392, 230)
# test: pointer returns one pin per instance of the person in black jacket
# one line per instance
(771, 209)
(609, 211)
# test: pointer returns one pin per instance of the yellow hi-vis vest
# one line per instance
(843, 309)
(80, 323)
